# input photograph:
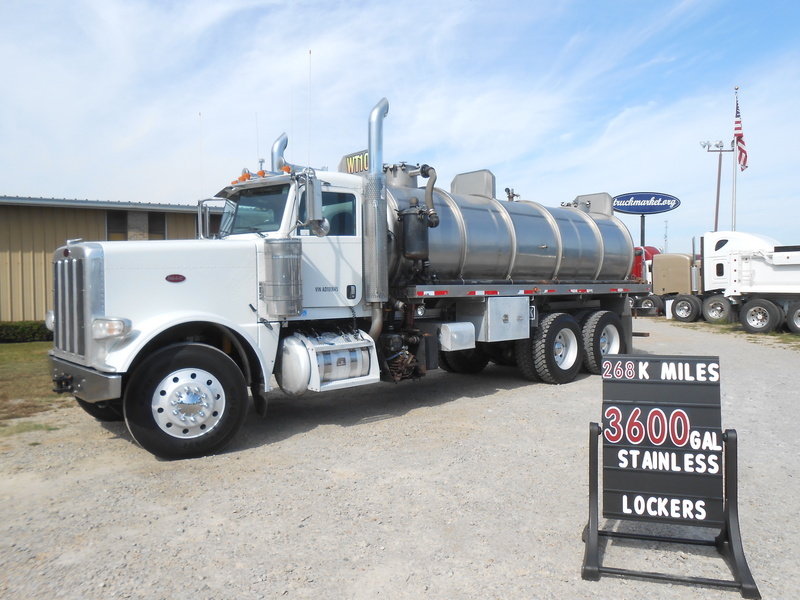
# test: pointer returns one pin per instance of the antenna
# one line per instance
(309, 108)
(258, 146)
(200, 144)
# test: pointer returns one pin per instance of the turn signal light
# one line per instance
(108, 328)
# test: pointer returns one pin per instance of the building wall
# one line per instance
(30, 234)
(28, 237)
(181, 226)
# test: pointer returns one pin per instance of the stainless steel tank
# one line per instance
(484, 239)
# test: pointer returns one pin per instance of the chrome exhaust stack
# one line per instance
(376, 261)
(278, 148)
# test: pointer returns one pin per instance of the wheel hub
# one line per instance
(609, 341)
(565, 348)
(758, 317)
(188, 403)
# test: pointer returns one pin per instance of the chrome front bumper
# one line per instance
(81, 382)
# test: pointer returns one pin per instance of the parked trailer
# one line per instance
(736, 271)
(335, 280)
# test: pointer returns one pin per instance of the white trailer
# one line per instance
(332, 280)
(741, 271)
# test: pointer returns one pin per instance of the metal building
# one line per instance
(32, 228)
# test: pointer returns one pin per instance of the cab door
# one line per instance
(332, 265)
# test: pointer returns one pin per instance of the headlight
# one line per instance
(50, 320)
(109, 328)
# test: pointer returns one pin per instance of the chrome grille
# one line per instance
(70, 306)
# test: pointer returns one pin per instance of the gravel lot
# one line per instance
(455, 487)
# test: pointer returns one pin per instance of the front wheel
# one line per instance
(185, 401)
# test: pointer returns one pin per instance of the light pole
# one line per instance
(718, 148)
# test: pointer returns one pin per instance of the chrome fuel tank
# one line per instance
(484, 239)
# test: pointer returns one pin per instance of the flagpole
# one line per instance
(735, 164)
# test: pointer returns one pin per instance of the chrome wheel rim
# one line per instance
(609, 340)
(565, 349)
(188, 403)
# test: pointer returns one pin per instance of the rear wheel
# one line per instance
(760, 316)
(686, 308)
(602, 335)
(554, 352)
(717, 309)
(793, 317)
(186, 401)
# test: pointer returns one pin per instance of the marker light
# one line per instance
(109, 328)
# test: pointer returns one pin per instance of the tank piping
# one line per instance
(430, 173)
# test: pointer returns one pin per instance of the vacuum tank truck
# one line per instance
(333, 280)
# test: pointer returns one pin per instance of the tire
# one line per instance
(602, 335)
(554, 353)
(108, 411)
(464, 362)
(185, 401)
(652, 302)
(686, 308)
(793, 317)
(443, 364)
(760, 316)
(583, 315)
(717, 309)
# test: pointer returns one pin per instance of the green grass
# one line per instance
(7, 430)
(783, 338)
(25, 386)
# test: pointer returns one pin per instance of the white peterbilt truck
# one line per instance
(736, 271)
(331, 280)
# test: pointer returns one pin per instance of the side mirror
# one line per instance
(320, 228)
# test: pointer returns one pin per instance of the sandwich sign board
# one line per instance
(665, 460)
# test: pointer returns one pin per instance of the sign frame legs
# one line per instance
(728, 543)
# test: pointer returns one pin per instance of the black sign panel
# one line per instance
(662, 440)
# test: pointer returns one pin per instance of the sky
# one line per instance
(166, 101)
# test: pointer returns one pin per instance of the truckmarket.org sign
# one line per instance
(645, 203)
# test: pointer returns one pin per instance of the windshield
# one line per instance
(255, 210)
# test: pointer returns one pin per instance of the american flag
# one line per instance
(739, 137)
